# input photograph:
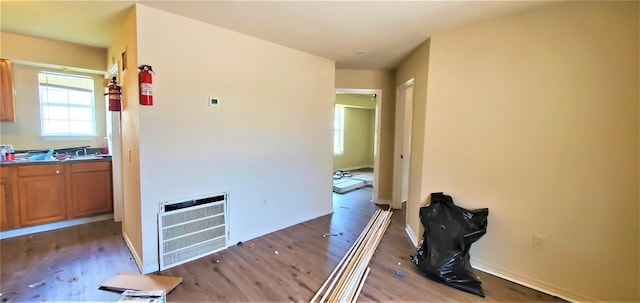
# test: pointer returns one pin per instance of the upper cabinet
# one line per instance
(7, 103)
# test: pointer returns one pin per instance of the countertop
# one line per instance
(90, 158)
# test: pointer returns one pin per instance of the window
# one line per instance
(338, 130)
(66, 105)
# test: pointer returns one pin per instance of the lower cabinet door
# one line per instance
(91, 193)
(5, 200)
(42, 200)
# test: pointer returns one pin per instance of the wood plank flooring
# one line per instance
(72, 262)
(64, 265)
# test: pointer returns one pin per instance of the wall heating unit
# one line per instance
(191, 229)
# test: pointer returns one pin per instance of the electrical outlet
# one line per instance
(539, 242)
(213, 102)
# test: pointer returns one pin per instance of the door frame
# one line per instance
(376, 137)
(114, 132)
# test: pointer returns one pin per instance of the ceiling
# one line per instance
(356, 34)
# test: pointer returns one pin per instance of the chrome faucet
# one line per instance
(84, 150)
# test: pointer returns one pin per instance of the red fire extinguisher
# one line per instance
(115, 95)
(146, 86)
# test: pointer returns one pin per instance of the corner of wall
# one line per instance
(132, 250)
(412, 235)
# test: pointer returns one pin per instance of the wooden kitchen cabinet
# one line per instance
(7, 100)
(34, 194)
(42, 194)
(90, 189)
(7, 111)
(9, 213)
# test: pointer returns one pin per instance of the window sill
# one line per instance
(68, 138)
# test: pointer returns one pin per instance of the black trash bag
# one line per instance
(449, 231)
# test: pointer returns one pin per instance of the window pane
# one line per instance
(79, 97)
(55, 112)
(57, 127)
(44, 97)
(338, 133)
(80, 113)
(81, 127)
(56, 95)
(67, 104)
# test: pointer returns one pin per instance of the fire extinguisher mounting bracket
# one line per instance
(146, 67)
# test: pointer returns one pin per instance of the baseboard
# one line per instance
(52, 226)
(151, 268)
(531, 283)
(409, 231)
(280, 227)
(356, 167)
(518, 279)
(383, 202)
(136, 257)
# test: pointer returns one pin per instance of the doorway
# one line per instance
(362, 101)
(114, 136)
(402, 144)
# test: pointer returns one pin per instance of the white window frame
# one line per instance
(338, 130)
(70, 134)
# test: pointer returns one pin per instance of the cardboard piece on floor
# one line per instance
(124, 281)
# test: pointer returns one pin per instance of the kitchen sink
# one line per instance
(87, 157)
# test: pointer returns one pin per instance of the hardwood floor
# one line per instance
(72, 262)
(64, 265)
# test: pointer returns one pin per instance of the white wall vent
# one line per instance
(191, 229)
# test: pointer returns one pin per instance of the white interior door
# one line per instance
(402, 144)
(406, 142)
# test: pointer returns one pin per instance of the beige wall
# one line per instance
(268, 145)
(416, 67)
(33, 55)
(383, 80)
(536, 117)
(358, 139)
(359, 132)
(132, 216)
(357, 100)
(31, 49)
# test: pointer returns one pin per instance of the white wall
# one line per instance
(359, 132)
(269, 143)
(535, 116)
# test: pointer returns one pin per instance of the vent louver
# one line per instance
(191, 229)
